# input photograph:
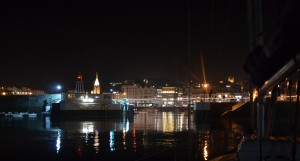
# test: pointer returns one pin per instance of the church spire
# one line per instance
(96, 81)
(96, 85)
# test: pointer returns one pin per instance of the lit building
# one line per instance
(169, 96)
(5, 91)
(96, 89)
(198, 93)
(231, 79)
(142, 96)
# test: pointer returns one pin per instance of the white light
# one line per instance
(58, 87)
(87, 127)
(87, 100)
(58, 141)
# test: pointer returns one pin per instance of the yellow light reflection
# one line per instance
(96, 141)
(203, 144)
(205, 151)
(179, 123)
(124, 138)
(167, 122)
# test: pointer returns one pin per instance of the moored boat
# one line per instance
(88, 106)
(274, 69)
(17, 115)
(31, 115)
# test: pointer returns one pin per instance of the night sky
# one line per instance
(44, 43)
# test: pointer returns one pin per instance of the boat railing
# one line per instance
(284, 72)
(263, 146)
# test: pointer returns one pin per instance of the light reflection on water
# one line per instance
(205, 150)
(112, 141)
(58, 141)
(148, 136)
(96, 142)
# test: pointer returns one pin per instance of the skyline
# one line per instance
(46, 43)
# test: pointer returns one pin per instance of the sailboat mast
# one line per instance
(255, 30)
(189, 59)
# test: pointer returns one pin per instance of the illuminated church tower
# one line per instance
(96, 89)
(79, 84)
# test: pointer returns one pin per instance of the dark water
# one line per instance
(151, 136)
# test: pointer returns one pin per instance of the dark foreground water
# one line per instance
(166, 136)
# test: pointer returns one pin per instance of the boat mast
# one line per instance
(255, 30)
(189, 60)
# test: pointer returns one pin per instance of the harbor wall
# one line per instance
(206, 111)
(27, 103)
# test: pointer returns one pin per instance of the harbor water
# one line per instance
(147, 136)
